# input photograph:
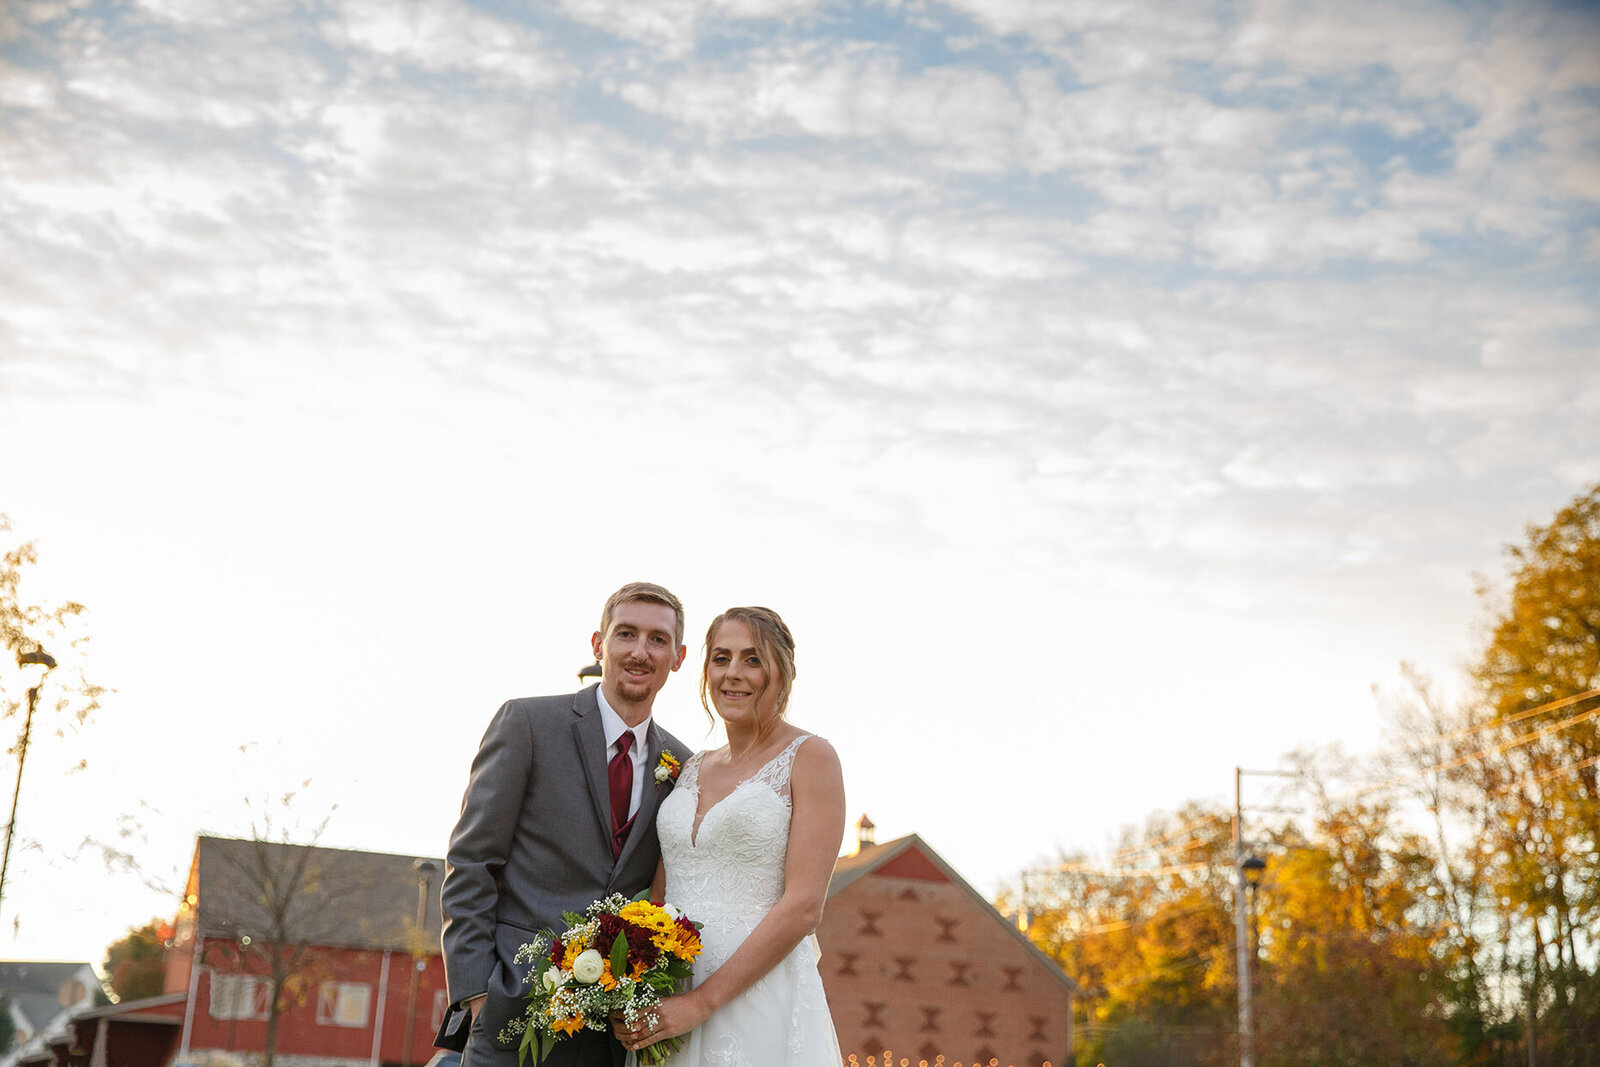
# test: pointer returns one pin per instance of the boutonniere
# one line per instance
(667, 768)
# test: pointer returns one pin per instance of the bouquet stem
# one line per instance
(658, 1052)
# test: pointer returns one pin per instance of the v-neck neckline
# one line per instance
(701, 816)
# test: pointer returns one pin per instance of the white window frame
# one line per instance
(239, 996)
(347, 1004)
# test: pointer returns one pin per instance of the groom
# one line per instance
(559, 811)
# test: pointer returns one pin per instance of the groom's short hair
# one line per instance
(648, 591)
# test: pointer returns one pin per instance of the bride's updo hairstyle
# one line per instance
(773, 641)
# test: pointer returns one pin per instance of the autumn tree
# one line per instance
(1440, 765)
(1539, 679)
(1350, 970)
(1506, 778)
(36, 639)
(1148, 936)
(136, 964)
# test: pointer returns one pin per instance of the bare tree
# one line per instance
(270, 898)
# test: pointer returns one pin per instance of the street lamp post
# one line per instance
(418, 962)
(1248, 868)
(1246, 1024)
(1254, 867)
(38, 657)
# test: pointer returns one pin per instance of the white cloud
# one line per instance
(1132, 312)
(673, 25)
(449, 35)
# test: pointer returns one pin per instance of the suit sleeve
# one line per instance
(479, 849)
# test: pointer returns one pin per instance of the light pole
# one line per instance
(1248, 869)
(1246, 1024)
(418, 962)
(38, 657)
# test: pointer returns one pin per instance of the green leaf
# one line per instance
(619, 957)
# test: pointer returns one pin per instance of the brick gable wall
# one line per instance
(912, 963)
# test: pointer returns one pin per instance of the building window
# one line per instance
(343, 1003)
(239, 996)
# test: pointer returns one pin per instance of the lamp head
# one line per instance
(36, 657)
(1252, 866)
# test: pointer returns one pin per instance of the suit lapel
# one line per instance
(590, 736)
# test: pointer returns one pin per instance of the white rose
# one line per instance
(552, 978)
(589, 966)
(662, 775)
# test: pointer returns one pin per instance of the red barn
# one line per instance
(349, 940)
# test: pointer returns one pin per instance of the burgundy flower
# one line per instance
(641, 947)
(607, 927)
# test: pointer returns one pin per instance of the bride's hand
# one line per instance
(674, 1016)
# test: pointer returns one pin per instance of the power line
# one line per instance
(1557, 773)
(1553, 705)
(1515, 742)
(1492, 750)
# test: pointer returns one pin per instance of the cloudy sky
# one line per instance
(1109, 394)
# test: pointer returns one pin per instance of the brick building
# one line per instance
(916, 961)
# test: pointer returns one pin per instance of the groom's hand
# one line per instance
(474, 1004)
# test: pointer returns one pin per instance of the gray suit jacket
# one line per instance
(534, 840)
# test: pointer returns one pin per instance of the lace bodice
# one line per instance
(729, 871)
(727, 874)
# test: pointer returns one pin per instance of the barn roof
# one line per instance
(326, 896)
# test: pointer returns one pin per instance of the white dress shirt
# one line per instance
(615, 728)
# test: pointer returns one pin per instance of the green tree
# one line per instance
(136, 964)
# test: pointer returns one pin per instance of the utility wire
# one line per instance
(1557, 773)
(1553, 705)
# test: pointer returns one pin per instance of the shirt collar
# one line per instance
(614, 726)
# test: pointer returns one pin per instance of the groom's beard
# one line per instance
(635, 689)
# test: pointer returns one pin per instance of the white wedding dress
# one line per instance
(728, 877)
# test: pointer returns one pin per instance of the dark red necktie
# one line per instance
(620, 773)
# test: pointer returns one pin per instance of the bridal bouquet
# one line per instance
(618, 956)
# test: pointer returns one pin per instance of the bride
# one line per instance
(748, 841)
